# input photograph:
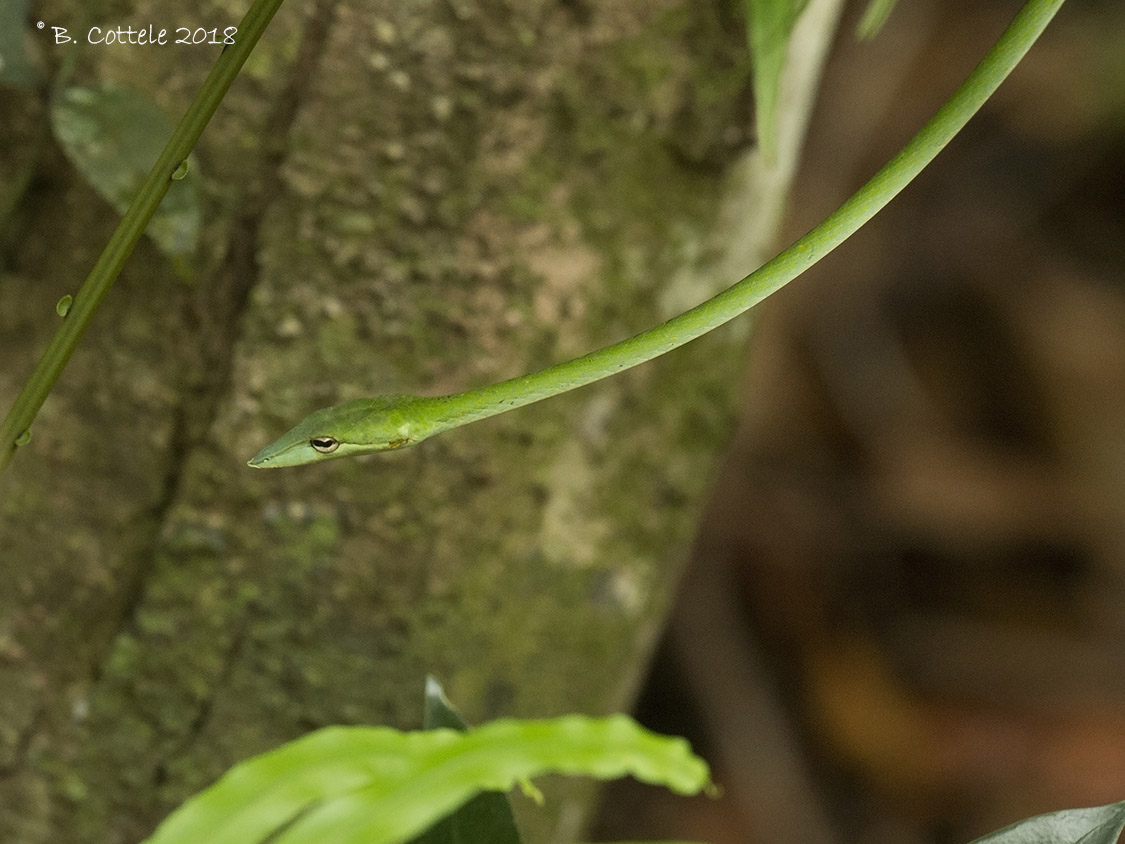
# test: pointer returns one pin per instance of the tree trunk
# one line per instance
(401, 197)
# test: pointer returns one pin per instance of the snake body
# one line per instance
(388, 422)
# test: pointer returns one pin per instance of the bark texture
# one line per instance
(406, 197)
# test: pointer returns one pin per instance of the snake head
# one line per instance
(381, 423)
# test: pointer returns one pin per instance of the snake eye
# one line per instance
(325, 445)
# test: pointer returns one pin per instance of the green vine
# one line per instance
(16, 427)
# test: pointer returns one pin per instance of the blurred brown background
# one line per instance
(904, 620)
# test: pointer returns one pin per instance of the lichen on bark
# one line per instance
(448, 194)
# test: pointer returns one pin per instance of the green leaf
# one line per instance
(437, 712)
(1100, 825)
(376, 785)
(769, 25)
(15, 69)
(113, 136)
(486, 818)
(874, 16)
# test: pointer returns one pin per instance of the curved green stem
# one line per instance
(387, 422)
(16, 425)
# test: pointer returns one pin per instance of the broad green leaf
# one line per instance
(1100, 825)
(874, 16)
(769, 25)
(486, 818)
(113, 136)
(15, 69)
(376, 785)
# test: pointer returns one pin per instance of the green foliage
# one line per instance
(1100, 825)
(873, 18)
(113, 135)
(486, 818)
(15, 70)
(376, 785)
(769, 25)
(372, 785)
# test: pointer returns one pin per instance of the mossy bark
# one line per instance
(400, 197)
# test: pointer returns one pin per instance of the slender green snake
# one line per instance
(388, 422)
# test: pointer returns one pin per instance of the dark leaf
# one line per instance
(113, 136)
(770, 23)
(1100, 825)
(484, 819)
(874, 16)
(15, 69)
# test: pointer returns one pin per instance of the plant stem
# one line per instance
(129, 230)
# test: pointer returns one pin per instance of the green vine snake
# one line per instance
(388, 422)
